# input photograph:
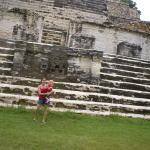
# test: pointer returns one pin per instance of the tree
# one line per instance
(131, 3)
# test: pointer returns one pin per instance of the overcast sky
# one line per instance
(144, 6)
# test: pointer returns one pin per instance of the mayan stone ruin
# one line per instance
(96, 51)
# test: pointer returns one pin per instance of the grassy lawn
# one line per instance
(68, 131)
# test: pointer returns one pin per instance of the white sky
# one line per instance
(144, 7)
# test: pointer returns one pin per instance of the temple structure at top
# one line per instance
(110, 26)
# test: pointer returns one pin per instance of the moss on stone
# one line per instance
(9, 90)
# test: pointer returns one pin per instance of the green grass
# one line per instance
(68, 131)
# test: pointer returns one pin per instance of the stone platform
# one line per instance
(123, 88)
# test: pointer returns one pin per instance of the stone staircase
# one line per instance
(119, 68)
(79, 98)
(6, 57)
(124, 88)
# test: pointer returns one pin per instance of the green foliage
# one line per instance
(131, 3)
(69, 131)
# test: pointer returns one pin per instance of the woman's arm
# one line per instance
(49, 93)
(39, 91)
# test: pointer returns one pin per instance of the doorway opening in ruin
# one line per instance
(58, 63)
(129, 50)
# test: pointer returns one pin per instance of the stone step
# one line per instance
(11, 99)
(125, 85)
(7, 44)
(24, 4)
(14, 80)
(125, 57)
(6, 57)
(87, 112)
(126, 61)
(100, 107)
(76, 95)
(100, 97)
(108, 90)
(125, 73)
(5, 71)
(106, 86)
(6, 64)
(83, 88)
(115, 77)
(126, 67)
(4, 50)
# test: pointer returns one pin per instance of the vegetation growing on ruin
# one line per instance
(68, 131)
(131, 3)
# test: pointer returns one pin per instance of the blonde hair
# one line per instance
(51, 82)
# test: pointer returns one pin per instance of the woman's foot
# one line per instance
(43, 122)
(34, 119)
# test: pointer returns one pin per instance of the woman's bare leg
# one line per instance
(45, 114)
(36, 112)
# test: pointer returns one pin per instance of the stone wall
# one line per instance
(53, 23)
(82, 42)
(77, 24)
(120, 10)
(97, 6)
(55, 62)
(57, 15)
(8, 22)
(21, 24)
(107, 39)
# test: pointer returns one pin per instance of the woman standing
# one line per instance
(43, 92)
